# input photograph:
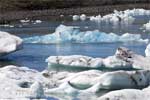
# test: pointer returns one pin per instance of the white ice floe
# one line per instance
(111, 62)
(147, 51)
(25, 21)
(38, 21)
(36, 90)
(73, 34)
(126, 17)
(9, 43)
(126, 94)
(147, 26)
(7, 25)
(94, 81)
(123, 59)
(83, 17)
(20, 82)
(75, 17)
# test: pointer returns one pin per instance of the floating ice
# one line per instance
(79, 82)
(83, 17)
(7, 25)
(123, 59)
(20, 83)
(126, 94)
(9, 43)
(147, 26)
(147, 51)
(38, 21)
(25, 21)
(126, 17)
(73, 34)
(37, 90)
(75, 17)
(113, 18)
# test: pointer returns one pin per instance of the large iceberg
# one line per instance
(9, 43)
(73, 34)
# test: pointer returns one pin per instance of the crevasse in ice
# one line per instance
(73, 34)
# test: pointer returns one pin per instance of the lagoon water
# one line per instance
(34, 55)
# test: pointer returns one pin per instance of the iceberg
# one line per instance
(122, 60)
(74, 35)
(9, 43)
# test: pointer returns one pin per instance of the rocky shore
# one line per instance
(6, 17)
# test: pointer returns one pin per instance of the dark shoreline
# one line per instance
(6, 17)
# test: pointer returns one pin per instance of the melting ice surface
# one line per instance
(73, 34)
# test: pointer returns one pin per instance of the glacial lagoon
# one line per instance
(33, 55)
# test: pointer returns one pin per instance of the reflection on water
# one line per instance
(34, 55)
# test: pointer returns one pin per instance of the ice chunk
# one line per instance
(37, 90)
(83, 17)
(147, 26)
(123, 59)
(147, 51)
(21, 82)
(125, 94)
(38, 21)
(75, 17)
(9, 43)
(73, 34)
(79, 82)
(126, 17)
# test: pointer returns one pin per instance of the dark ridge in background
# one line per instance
(11, 10)
(9, 5)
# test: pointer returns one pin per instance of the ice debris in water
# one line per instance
(73, 34)
(75, 17)
(82, 17)
(147, 26)
(126, 16)
(147, 51)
